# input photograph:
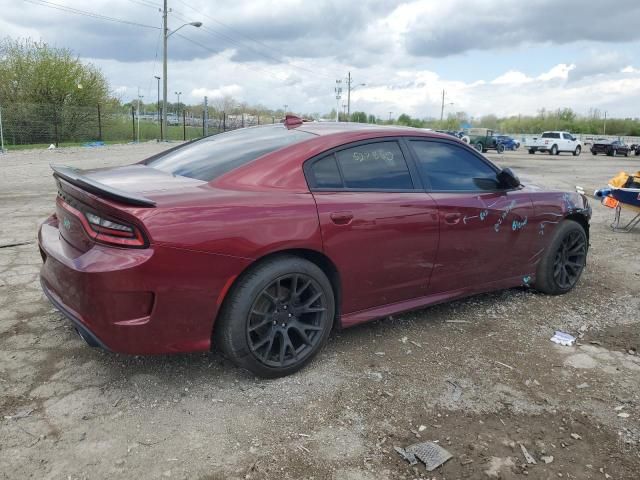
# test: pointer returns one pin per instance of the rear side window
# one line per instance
(214, 156)
(377, 166)
(326, 174)
(449, 167)
(550, 135)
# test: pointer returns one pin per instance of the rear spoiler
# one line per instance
(74, 177)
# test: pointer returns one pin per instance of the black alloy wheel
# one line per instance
(570, 260)
(277, 316)
(286, 320)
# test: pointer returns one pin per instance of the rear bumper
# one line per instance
(86, 334)
(155, 300)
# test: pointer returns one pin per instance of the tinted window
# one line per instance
(550, 135)
(326, 174)
(448, 167)
(378, 165)
(213, 156)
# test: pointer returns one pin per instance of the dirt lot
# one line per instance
(480, 375)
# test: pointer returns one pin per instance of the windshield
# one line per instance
(214, 156)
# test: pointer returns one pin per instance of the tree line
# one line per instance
(68, 90)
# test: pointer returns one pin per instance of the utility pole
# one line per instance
(285, 110)
(205, 117)
(390, 113)
(159, 113)
(350, 87)
(348, 96)
(442, 108)
(338, 90)
(165, 33)
(139, 97)
(1, 134)
(605, 124)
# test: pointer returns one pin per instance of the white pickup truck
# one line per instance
(553, 143)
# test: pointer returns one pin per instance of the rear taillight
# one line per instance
(114, 232)
(104, 229)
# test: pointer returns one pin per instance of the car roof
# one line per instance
(330, 128)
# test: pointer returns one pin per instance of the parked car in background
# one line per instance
(635, 148)
(610, 147)
(553, 143)
(508, 142)
(259, 241)
(459, 135)
(483, 139)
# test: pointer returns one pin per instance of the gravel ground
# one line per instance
(479, 376)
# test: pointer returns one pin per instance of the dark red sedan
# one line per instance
(261, 240)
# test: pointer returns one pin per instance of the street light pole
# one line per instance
(158, 113)
(178, 95)
(165, 30)
(165, 36)
(285, 110)
(338, 90)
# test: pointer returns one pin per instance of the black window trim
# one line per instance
(406, 153)
(470, 150)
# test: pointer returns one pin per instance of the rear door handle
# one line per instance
(452, 218)
(341, 218)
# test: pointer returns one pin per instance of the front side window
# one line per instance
(451, 168)
(377, 166)
(214, 156)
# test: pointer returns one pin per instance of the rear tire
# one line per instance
(500, 148)
(564, 260)
(577, 151)
(277, 317)
(531, 151)
(479, 147)
(554, 150)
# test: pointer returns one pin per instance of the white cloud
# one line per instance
(231, 90)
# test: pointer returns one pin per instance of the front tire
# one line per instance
(277, 317)
(577, 151)
(479, 147)
(565, 259)
(500, 148)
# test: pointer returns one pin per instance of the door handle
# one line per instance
(452, 218)
(341, 218)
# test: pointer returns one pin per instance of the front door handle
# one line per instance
(341, 218)
(452, 218)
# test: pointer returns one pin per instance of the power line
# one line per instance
(241, 44)
(77, 11)
(145, 4)
(205, 47)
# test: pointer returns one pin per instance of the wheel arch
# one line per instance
(316, 257)
(580, 219)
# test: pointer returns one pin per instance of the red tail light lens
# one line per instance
(104, 229)
(114, 232)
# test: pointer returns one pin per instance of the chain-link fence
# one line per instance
(33, 124)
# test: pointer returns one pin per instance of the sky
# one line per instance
(502, 57)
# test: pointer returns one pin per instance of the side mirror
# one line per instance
(508, 179)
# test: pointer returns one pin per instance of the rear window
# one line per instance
(214, 156)
(550, 135)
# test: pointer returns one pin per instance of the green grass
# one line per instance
(121, 131)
